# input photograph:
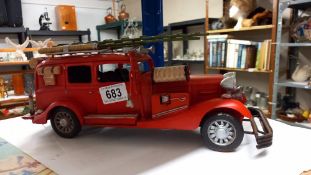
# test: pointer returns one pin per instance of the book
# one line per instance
(230, 55)
(243, 57)
(251, 56)
(219, 47)
(239, 59)
(218, 37)
(223, 54)
(214, 50)
(258, 56)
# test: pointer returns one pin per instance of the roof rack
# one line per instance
(121, 45)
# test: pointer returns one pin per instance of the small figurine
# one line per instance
(110, 18)
(19, 54)
(240, 9)
(44, 21)
(301, 73)
(39, 45)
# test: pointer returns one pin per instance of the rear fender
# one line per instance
(44, 116)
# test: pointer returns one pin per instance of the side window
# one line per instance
(143, 66)
(79, 74)
(113, 73)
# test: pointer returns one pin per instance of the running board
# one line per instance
(127, 119)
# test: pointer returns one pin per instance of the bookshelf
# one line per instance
(253, 28)
(244, 33)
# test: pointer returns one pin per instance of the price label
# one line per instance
(113, 93)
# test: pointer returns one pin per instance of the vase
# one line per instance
(123, 15)
(110, 18)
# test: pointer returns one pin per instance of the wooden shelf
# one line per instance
(263, 27)
(16, 72)
(14, 50)
(14, 63)
(14, 101)
(239, 70)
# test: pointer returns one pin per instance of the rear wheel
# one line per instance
(65, 123)
(222, 132)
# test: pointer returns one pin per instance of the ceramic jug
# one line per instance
(301, 73)
(110, 18)
(123, 15)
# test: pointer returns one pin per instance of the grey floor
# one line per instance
(141, 151)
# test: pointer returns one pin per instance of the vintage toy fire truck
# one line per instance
(113, 87)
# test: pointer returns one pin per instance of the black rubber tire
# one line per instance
(235, 123)
(72, 120)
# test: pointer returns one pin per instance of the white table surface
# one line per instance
(141, 151)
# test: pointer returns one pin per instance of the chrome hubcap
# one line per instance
(221, 132)
(63, 122)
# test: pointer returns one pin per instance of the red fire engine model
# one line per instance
(102, 85)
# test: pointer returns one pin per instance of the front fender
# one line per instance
(208, 108)
(43, 117)
(226, 104)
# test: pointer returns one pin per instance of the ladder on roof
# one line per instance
(125, 44)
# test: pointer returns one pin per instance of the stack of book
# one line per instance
(238, 54)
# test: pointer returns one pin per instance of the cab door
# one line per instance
(113, 94)
(79, 86)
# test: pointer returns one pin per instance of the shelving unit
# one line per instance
(263, 27)
(19, 31)
(22, 33)
(14, 63)
(119, 26)
(295, 5)
(78, 33)
(240, 70)
(183, 26)
(249, 31)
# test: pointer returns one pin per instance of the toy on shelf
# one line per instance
(44, 21)
(39, 45)
(19, 53)
(302, 73)
(259, 16)
(131, 30)
(240, 9)
(110, 18)
(123, 15)
(66, 17)
(301, 29)
(132, 93)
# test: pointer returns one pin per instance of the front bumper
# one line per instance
(264, 134)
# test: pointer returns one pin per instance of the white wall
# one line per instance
(179, 10)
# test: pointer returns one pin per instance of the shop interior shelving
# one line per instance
(22, 33)
(247, 31)
(293, 47)
(263, 27)
(119, 26)
(49, 33)
(183, 26)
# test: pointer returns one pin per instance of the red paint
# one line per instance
(190, 101)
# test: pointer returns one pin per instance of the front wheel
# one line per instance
(65, 123)
(222, 132)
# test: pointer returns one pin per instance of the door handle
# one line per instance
(90, 92)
